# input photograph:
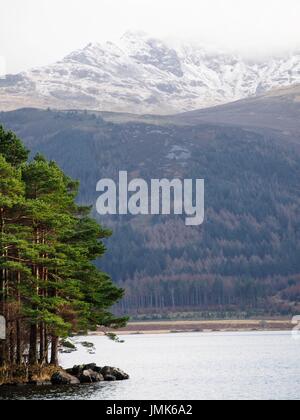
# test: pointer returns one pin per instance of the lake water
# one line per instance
(187, 366)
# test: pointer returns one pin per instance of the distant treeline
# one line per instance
(271, 296)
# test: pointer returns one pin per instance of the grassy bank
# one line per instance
(22, 375)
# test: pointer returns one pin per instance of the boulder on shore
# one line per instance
(89, 377)
(63, 378)
(91, 373)
(108, 371)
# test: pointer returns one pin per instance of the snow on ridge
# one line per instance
(142, 74)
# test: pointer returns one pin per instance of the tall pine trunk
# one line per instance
(54, 350)
(33, 356)
(33, 353)
(19, 356)
(42, 344)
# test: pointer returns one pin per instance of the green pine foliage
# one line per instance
(49, 285)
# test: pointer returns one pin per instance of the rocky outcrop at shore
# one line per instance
(63, 378)
(51, 375)
(88, 374)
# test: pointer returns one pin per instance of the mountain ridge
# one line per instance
(142, 74)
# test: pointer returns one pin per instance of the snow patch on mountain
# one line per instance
(142, 75)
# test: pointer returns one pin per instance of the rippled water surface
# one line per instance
(186, 366)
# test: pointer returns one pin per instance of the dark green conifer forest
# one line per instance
(244, 260)
(50, 287)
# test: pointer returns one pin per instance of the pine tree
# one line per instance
(50, 285)
(11, 198)
(12, 148)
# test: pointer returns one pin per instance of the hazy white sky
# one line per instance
(36, 32)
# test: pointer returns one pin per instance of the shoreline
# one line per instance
(50, 375)
(173, 327)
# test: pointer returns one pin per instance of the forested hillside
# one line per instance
(246, 255)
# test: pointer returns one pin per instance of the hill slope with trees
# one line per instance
(245, 257)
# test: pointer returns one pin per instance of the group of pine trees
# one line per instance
(49, 285)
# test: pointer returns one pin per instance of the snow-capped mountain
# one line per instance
(142, 75)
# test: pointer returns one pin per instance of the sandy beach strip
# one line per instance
(168, 327)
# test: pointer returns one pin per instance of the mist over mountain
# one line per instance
(141, 74)
(245, 257)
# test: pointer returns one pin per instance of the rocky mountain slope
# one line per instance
(142, 75)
